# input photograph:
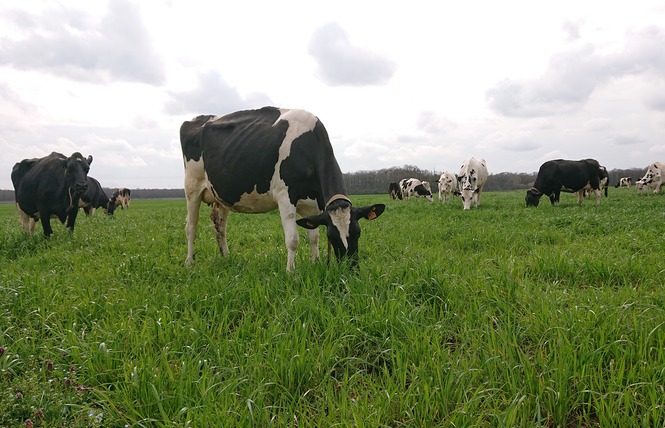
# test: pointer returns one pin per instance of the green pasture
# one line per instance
(497, 316)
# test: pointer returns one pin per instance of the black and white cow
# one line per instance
(653, 178)
(394, 191)
(49, 186)
(256, 161)
(415, 187)
(567, 175)
(122, 196)
(471, 179)
(94, 197)
(447, 185)
(624, 182)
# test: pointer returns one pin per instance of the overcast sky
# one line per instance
(422, 83)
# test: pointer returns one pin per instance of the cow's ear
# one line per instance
(89, 159)
(369, 212)
(313, 221)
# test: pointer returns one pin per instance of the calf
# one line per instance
(624, 182)
(122, 196)
(256, 161)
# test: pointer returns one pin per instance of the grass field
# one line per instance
(500, 316)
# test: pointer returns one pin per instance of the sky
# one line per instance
(419, 83)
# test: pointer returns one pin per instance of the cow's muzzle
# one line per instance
(81, 187)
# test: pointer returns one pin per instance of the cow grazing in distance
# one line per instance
(415, 187)
(49, 186)
(394, 191)
(122, 196)
(569, 175)
(624, 182)
(471, 179)
(94, 197)
(256, 161)
(653, 178)
(604, 180)
(447, 185)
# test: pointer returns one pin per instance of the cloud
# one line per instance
(340, 63)
(213, 95)
(68, 43)
(572, 76)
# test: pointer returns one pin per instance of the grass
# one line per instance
(500, 316)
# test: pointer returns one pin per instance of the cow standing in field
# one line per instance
(471, 180)
(624, 182)
(394, 191)
(415, 187)
(653, 178)
(94, 197)
(573, 176)
(122, 197)
(49, 186)
(447, 185)
(256, 161)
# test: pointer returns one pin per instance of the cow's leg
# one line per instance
(598, 194)
(580, 197)
(219, 214)
(287, 213)
(312, 234)
(192, 222)
(46, 223)
(71, 216)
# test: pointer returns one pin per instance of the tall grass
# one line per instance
(497, 316)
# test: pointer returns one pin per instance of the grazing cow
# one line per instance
(49, 186)
(470, 181)
(447, 185)
(256, 161)
(653, 178)
(122, 196)
(394, 192)
(568, 175)
(624, 182)
(604, 180)
(94, 197)
(415, 187)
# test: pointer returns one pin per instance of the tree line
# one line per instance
(377, 181)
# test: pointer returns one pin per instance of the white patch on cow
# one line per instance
(341, 219)
(254, 203)
(300, 122)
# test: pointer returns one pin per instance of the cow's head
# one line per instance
(467, 185)
(110, 207)
(342, 226)
(533, 197)
(76, 172)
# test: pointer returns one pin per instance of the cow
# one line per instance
(413, 186)
(604, 180)
(624, 182)
(256, 161)
(94, 197)
(653, 178)
(471, 179)
(447, 185)
(394, 191)
(567, 175)
(122, 196)
(49, 186)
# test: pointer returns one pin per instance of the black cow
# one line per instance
(95, 197)
(394, 191)
(256, 161)
(49, 186)
(122, 196)
(568, 175)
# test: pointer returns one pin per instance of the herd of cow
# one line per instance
(255, 161)
(554, 177)
(59, 186)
